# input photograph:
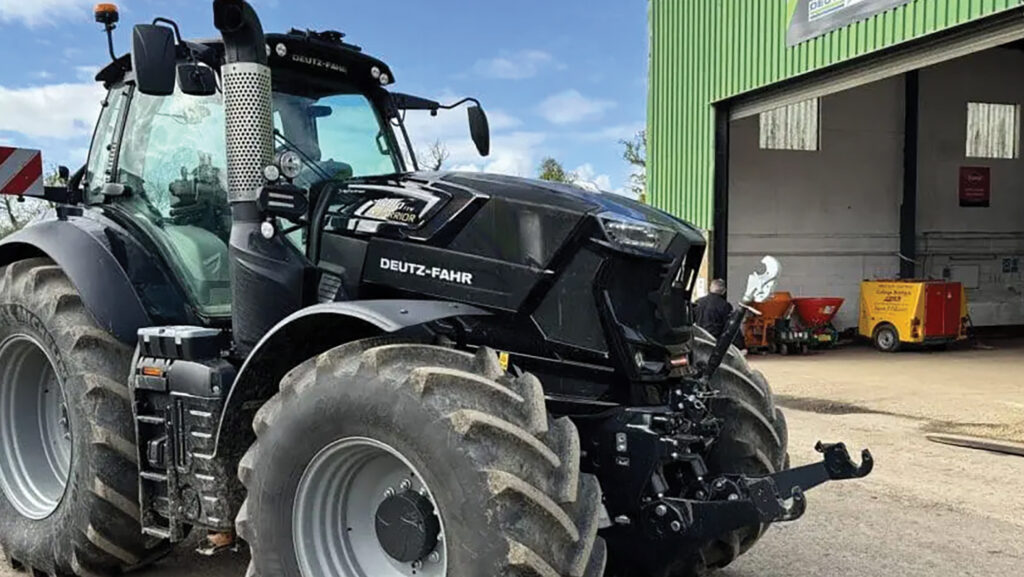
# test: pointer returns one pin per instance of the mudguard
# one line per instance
(119, 281)
(307, 333)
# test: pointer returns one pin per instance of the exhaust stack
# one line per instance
(267, 272)
(247, 98)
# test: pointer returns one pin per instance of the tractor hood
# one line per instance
(504, 218)
(565, 197)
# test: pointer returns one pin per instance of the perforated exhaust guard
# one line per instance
(250, 130)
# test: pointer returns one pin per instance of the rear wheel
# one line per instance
(753, 441)
(887, 338)
(391, 459)
(68, 473)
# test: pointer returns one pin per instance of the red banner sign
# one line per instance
(21, 172)
(975, 186)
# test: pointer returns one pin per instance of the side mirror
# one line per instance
(480, 130)
(154, 56)
(63, 173)
(196, 80)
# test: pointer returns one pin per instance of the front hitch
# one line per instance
(731, 502)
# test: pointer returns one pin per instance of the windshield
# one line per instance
(339, 136)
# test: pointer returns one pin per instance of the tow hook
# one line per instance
(731, 502)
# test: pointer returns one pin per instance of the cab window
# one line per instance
(174, 164)
(96, 171)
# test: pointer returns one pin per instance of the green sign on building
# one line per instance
(811, 18)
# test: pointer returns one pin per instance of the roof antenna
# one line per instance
(106, 14)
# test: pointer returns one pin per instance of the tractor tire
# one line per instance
(68, 461)
(493, 485)
(753, 441)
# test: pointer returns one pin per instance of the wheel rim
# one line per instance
(35, 434)
(886, 339)
(336, 506)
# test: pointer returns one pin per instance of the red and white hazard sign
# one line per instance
(21, 172)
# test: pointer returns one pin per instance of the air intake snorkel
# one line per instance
(267, 272)
(241, 30)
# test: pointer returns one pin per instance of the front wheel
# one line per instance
(394, 459)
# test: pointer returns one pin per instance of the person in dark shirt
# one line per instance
(712, 312)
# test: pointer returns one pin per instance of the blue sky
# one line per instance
(561, 78)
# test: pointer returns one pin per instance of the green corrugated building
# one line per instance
(716, 66)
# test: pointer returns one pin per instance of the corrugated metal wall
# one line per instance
(703, 51)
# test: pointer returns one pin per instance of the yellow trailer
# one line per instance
(897, 312)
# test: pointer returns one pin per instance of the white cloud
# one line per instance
(35, 13)
(514, 66)
(512, 151)
(60, 111)
(570, 106)
(515, 153)
(588, 177)
(612, 133)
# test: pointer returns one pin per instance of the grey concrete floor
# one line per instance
(928, 510)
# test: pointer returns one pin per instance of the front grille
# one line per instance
(647, 297)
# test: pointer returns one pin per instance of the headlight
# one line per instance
(290, 164)
(637, 234)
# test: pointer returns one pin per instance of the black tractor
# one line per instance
(253, 313)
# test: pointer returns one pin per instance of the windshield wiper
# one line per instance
(309, 161)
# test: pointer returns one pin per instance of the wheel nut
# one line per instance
(435, 557)
(661, 510)
(675, 526)
(406, 485)
(389, 492)
(417, 565)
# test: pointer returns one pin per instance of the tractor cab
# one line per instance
(159, 154)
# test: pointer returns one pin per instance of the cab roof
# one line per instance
(325, 54)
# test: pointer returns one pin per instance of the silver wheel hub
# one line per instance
(886, 339)
(363, 510)
(35, 432)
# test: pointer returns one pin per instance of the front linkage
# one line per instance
(648, 453)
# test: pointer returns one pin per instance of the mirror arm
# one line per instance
(172, 24)
(460, 103)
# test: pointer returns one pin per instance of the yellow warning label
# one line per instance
(503, 359)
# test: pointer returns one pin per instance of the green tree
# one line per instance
(635, 153)
(552, 171)
(18, 212)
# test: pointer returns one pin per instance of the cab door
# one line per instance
(172, 162)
